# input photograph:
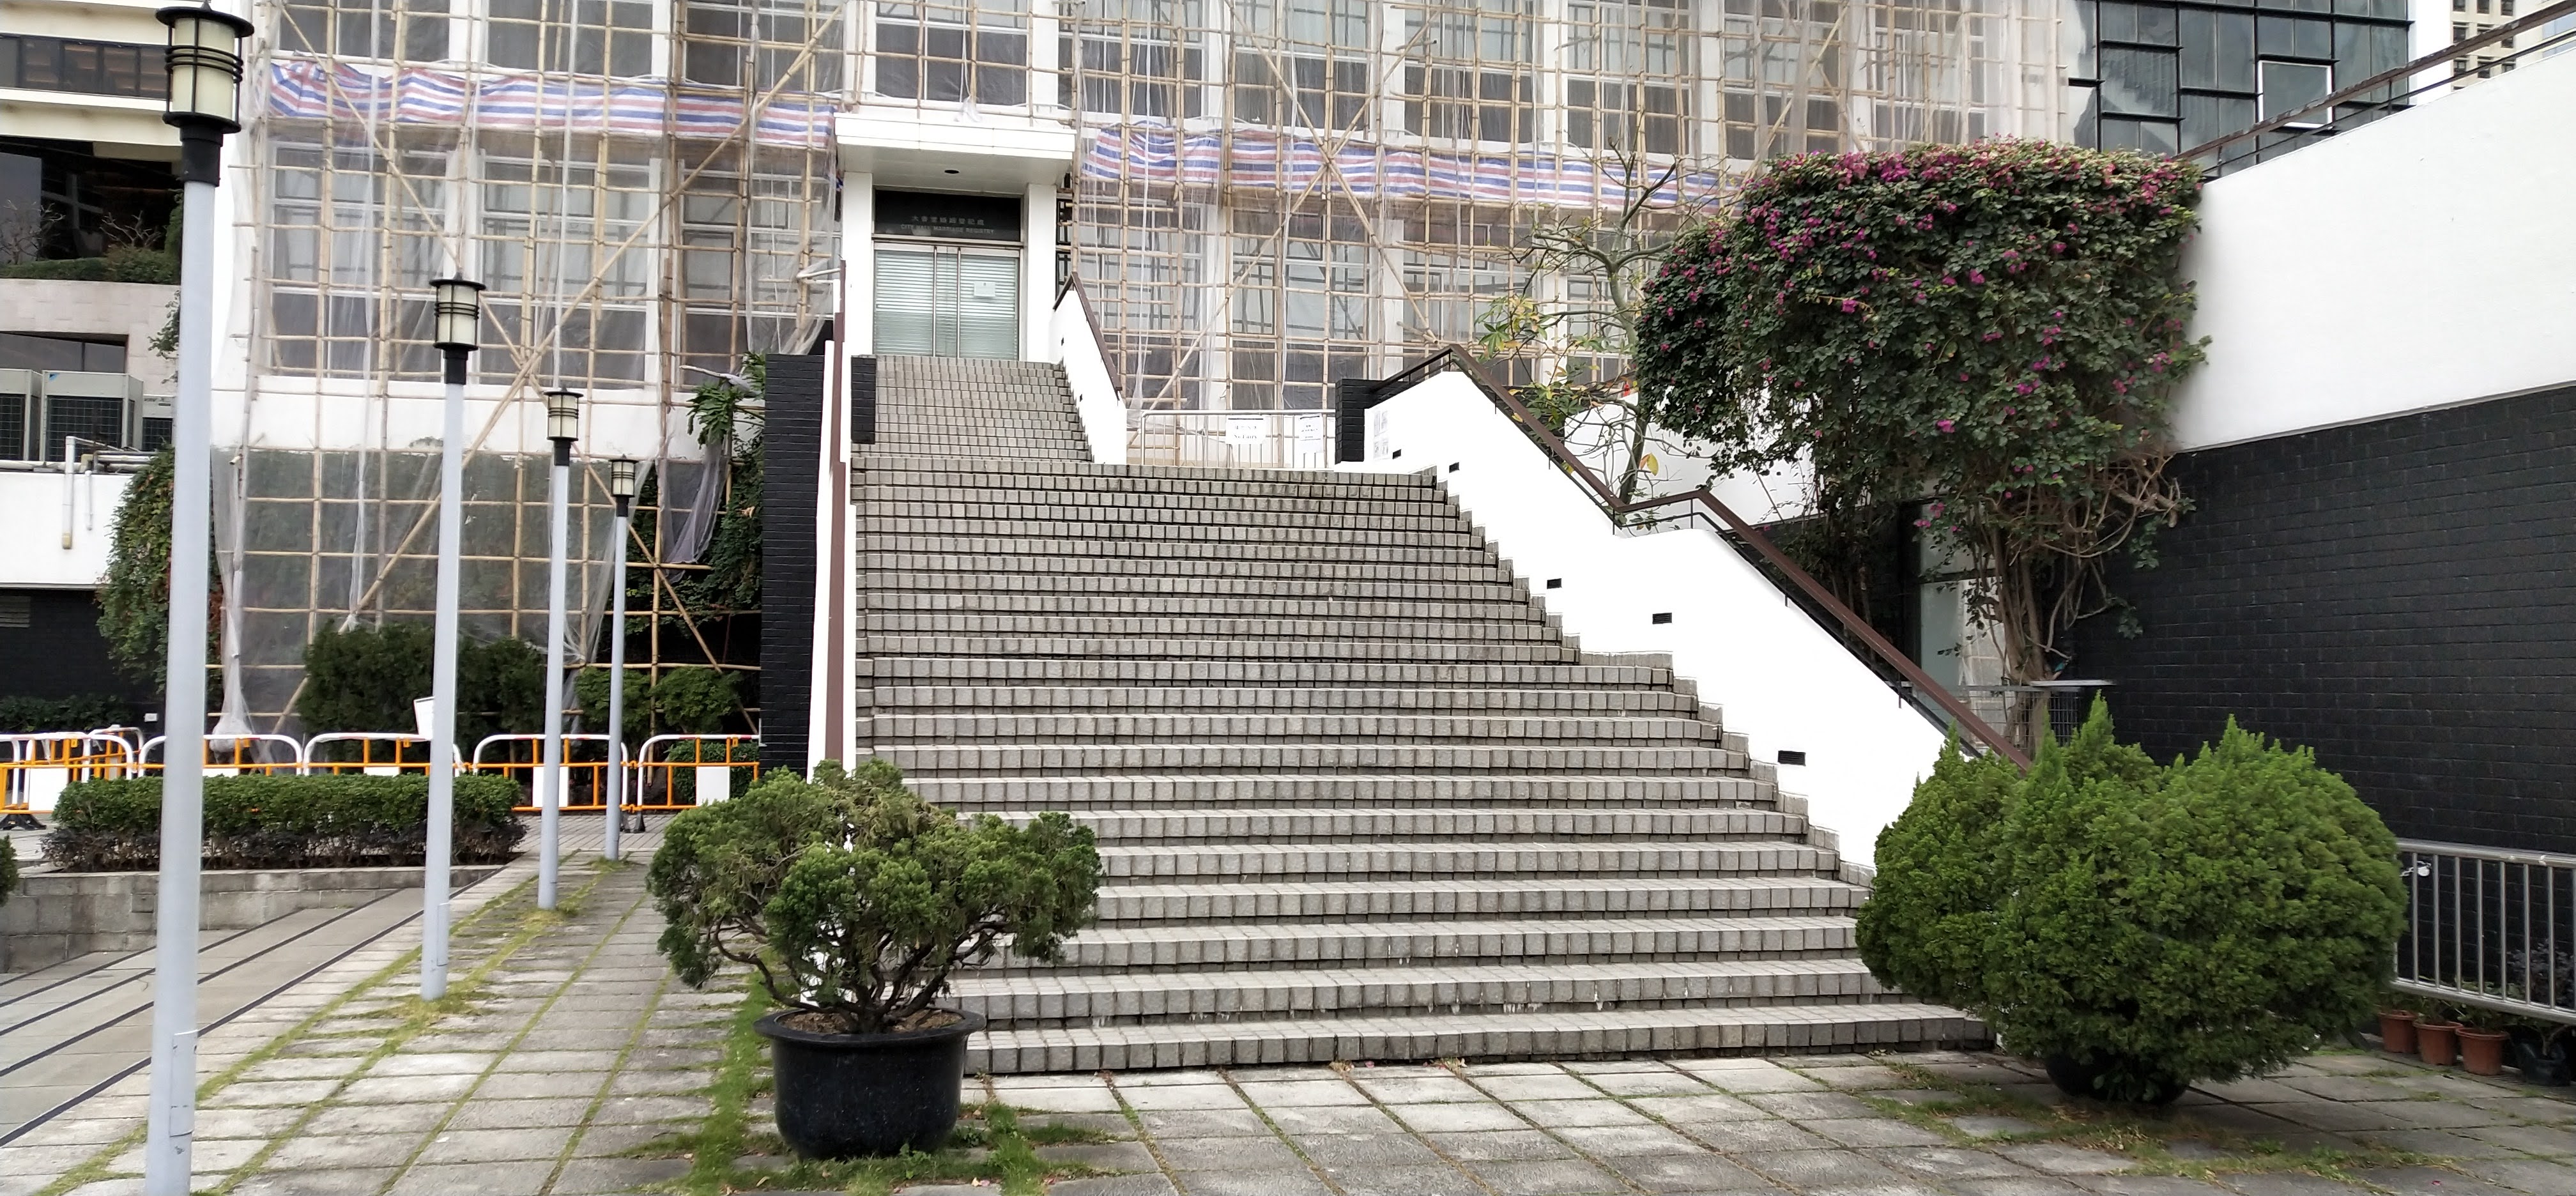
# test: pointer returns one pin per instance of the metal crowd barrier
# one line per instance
(585, 780)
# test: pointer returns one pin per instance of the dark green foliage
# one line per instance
(134, 596)
(282, 822)
(689, 700)
(500, 689)
(365, 679)
(855, 899)
(81, 712)
(2204, 921)
(8, 870)
(1925, 926)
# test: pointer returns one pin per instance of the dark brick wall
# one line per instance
(59, 653)
(790, 474)
(2395, 594)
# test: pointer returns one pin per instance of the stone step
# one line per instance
(961, 515)
(1213, 699)
(1572, 674)
(1030, 999)
(1284, 826)
(1416, 549)
(892, 583)
(1251, 862)
(907, 566)
(1077, 759)
(1003, 501)
(1471, 897)
(1506, 606)
(887, 727)
(1502, 794)
(1528, 627)
(1802, 1029)
(1532, 651)
(897, 469)
(1582, 938)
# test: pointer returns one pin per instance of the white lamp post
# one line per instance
(563, 426)
(205, 67)
(457, 325)
(621, 486)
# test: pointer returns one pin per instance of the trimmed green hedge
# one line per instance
(282, 822)
(8, 870)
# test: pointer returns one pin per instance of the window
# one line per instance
(2459, 31)
(2459, 5)
(762, 44)
(1476, 81)
(2140, 83)
(45, 351)
(1302, 64)
(1142, 59)
(1626, 66)
(412, 30)
(342, 223)
(2290, 86)
(17, 611)
(2504, 8)
(90, 68)
(590, 37)
(945, 55)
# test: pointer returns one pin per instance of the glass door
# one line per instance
(947, 301)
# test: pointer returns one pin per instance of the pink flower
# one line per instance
(1851, 305)
(1977, 277)
(1945, 424)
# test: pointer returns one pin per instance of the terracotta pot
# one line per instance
(2437, 1043)
(2397, 1031)
(2482, 1051)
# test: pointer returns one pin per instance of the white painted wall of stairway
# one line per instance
(1775, 675)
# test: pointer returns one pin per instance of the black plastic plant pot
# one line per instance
(848, 1096)
(2083, 1077)
(2545, 1067)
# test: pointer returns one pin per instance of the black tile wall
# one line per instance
(2396, 595)
(791, 474)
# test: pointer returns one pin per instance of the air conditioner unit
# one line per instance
(151, 430)
(95, 407)
(18, 392)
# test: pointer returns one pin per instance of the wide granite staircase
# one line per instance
(1357, 796)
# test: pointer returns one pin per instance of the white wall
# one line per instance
(2422, 261)
(1778, 678)
(1086, 370)
(33, 548)
(133, 310)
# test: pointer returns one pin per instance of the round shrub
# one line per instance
(2148, 926)
(8, 870)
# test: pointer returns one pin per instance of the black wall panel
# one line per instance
(2395, 594)
(791, 474)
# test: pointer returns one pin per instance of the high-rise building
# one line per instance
(2167, 76)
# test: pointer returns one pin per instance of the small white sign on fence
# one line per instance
(715, 783)
(1247, 431)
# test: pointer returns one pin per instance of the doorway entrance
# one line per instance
(947, 301)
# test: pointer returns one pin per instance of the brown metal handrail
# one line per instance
(1762, 546)
(2441, 59)
(1091, 316)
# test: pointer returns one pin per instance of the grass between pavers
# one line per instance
(2143, 1135)
(989, 1143)
(97, 1168)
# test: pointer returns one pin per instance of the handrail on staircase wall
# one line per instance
(1610, 502)
(1091, 316)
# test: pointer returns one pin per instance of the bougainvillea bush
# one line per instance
(1992, 329)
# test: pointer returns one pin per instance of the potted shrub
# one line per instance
(2437, 1036)
(2140, 928)
(2397, 1031)
(853, 900)
(2540, 1050)
(2482, 1050)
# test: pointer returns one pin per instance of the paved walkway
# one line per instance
(569, 1062)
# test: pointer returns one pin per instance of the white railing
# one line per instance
(1237, 439)
(2490, 928)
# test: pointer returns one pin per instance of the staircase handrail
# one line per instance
(1924, 687)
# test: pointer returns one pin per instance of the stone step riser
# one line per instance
(1309, 630)
(1273, 903)
(1297, 674)
(918, 603)
(1123, 727)
(1590, 940)
(1419, 558)
(923, 584)
(1231, 863)
(1556, 703)
(1495, 1037)
(1610, 795)
(1078, 759)
(942, 565)
(1353, 651)
(1295, 826)
(1532, 990)
(951, 503)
